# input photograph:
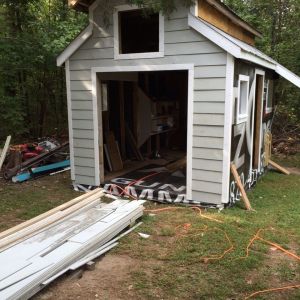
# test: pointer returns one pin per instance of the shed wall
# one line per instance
(183, 45)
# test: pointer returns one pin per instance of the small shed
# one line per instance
(147, 92)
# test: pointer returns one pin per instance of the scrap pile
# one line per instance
(36, 252)
(26, 161)
(286, 134)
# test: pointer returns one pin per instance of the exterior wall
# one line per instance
(182, 46)
(242, 134)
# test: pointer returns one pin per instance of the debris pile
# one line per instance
(31, 160)
(36, 252)
(286, 135)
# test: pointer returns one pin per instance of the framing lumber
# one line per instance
(4, 151)
(47, 214)
(240, 186)
(279, 168)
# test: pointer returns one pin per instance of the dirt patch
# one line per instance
(277, 270)
(110, 280)
(293, 170)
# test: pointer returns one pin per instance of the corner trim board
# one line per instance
(70, 121)
(227, 127)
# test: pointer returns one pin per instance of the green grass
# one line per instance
(181, 272)
(173, 266)
(19, 202)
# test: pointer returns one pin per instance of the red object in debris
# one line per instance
(30, 151)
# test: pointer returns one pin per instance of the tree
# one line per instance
(32, 88)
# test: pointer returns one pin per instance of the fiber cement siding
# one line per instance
(183, 45)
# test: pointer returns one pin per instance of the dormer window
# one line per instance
(138, 34)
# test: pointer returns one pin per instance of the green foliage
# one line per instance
(34, 32)
(32, 88)
(279, 23)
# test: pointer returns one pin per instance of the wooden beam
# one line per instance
(279, 168)
(240, 186)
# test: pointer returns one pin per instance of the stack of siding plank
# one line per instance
(38, 251)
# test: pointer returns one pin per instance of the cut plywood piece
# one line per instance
(114, 152)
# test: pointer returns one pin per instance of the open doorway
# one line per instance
(144, 129)
(257, 121)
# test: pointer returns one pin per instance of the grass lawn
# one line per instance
(173, 263)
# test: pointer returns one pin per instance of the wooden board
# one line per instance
(210, 14)
(133, 144)
(279, 168)
(176, 165)
(4, 151)
(114, 152)
(240, 186)
(257, 121)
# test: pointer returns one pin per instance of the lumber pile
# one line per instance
(38, 251)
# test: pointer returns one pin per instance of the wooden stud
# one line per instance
(278, 167)
(240, 186)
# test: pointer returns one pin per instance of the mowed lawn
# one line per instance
(186, 256)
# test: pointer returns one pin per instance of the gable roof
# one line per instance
(240, 49)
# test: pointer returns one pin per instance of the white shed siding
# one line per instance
(183, 45)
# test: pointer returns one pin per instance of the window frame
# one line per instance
(240, 118)
(117, 54)
(269, 109)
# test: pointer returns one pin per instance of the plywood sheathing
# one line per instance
(213, 16)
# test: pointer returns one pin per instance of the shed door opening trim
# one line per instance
(98, 138)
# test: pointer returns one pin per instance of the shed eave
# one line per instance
(239, 49)
(74, 45)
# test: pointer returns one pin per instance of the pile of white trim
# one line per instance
(36, 253)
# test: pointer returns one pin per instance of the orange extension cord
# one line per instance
(231, 246)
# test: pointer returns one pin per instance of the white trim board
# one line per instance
(262, 73)
(240, 49)
(74, 45)
(80, 39)
(229, 108)
(70, 121)
(169, 67)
